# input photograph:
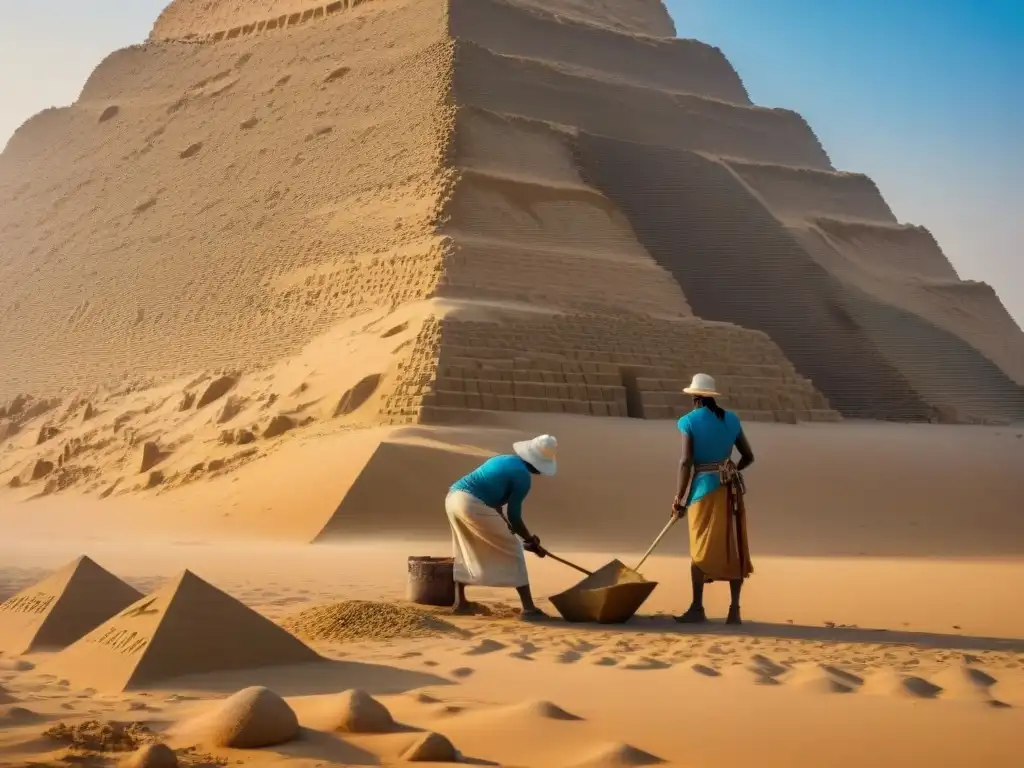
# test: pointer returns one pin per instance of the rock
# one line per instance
(151, 756)
(87, 412)
(231, 408)
(278, 426)
(252, 718)
(431, 748)
(7, 429)
(46, 432)
(149, 456)
(358, 395)
(36, 470)
(357, 711)
(216, 389)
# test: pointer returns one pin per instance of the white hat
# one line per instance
(539, 453)
(702, 386)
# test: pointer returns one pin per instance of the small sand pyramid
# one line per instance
(55, 612)
(616, 756)
(187, 627)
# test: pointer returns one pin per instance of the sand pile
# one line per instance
(62, 608)
(249, 719)
(355, 620)
(96, 736)
(356, 711)
(151, 756)
(431, 748)
(188, 627)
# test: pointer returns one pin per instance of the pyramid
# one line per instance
(590, 209)
(62, 608)
(187, 627)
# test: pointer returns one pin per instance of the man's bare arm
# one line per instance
(746, 452)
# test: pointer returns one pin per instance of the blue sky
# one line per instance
(927, 97)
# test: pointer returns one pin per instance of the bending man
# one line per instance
(484, 537)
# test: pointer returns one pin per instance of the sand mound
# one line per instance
(62, 608)
(967, 682)
(353, 620)
(96, 736)
(252, 718)
(151, 756)
(820, 678)
(356, 711)
(431, 748)
(617, 756)
(17, 716)
(889, 682)
(187, 627)
(6, 697)
(540, 709)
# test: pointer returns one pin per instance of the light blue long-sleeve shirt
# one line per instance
(499, 481)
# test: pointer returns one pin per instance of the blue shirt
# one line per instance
(500, 481)
(713, 440)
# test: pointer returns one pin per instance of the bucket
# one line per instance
(431, 581)
(610, 595)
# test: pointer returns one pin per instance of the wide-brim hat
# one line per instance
(540, 453)
(702, 385)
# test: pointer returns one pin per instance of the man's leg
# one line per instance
(735, 586)
(462, 605)
(695, 613)
(530, 608)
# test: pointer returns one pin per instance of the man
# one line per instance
(484, 538)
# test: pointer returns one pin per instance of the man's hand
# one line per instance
(678, 509)
(532, 544)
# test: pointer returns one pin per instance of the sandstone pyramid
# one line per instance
(187, 627)
(588, 209)
(62, 608)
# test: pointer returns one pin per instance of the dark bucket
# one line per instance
(431, 581)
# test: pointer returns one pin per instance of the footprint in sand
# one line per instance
(462, 672)
(643, 663)
(484, 647)
(701, 666)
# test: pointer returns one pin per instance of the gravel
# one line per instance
(354, 620)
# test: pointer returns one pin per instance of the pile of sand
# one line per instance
(357, 711)
(353, 620)
(252, 718)
(94, 736)
(151, 756)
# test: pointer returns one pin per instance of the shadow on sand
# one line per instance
(318, 677)
(667, 625)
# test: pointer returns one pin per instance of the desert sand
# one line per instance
(286, 270)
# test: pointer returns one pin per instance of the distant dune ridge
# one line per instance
(419, 210)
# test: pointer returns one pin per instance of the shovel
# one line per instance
(668, 525)
(566, 562)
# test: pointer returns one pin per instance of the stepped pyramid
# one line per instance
(63, 607)
(589, 210)
(187, 627)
